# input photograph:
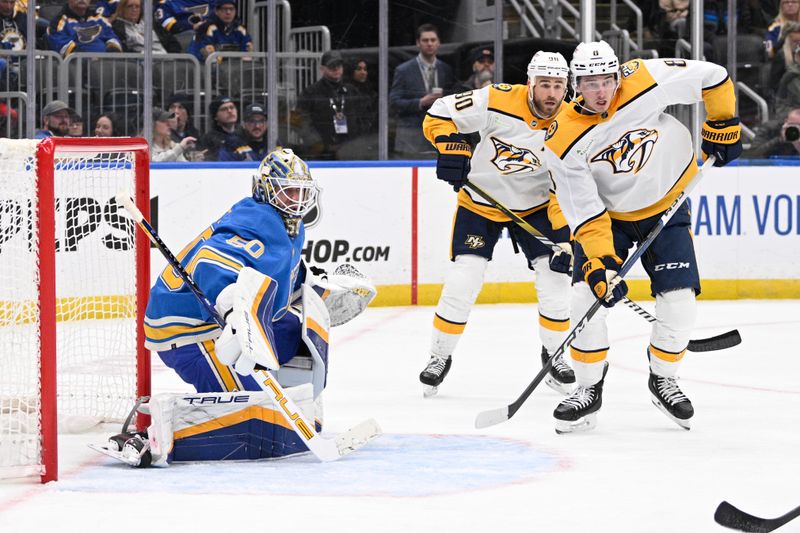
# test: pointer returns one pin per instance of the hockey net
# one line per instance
(74, 277)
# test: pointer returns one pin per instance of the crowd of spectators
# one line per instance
(336, 117)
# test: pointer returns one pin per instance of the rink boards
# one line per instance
(393, 221)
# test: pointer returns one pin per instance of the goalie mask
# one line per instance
(284, 181)
(547, 65)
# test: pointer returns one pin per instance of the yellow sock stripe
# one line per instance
(672, 357)
(445, 326)
(225, 373)
(593, 356)
(553, 324)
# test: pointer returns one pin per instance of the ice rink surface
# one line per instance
(432, 471)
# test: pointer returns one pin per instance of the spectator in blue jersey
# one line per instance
(223, 133)
(252, 136)
(128, 24)
(222, 32)
(13, 27)
(177, 16)
(106, 8)
(76, 29)
(55, 120)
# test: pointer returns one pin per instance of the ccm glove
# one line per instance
(561, 261)
(453, 163)
(723, 139)
(599, 273)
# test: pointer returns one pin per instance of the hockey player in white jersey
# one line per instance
(510, 122)
(618, 162)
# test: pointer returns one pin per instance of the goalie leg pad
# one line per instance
(225, 426)
(676, 312)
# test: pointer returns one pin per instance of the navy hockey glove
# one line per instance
(599, 273)
(453, 163)
(561, 261)
(723, 139)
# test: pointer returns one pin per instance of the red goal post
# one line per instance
(74, 281)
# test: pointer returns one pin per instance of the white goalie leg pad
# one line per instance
(553, 293)
(226, 425)
(313, 367)
(346, 293)
(462, 284)
(593, 339)
(676, 312)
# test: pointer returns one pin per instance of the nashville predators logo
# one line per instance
(511, 160)
(630, 152)
(475, 241)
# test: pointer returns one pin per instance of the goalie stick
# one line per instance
(729, 516)
(719, 342)
(323, 449)
(496, 416)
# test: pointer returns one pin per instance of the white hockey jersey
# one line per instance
(508, 162)
(633, 161)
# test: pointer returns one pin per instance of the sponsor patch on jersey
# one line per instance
(510, 159)
(630, 67)
(475, 241)
(551, 130)
(631, 152)
(505, 87)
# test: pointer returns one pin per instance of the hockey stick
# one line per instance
(719, 342)
(729, 516)
(495, 416)
(323, 449)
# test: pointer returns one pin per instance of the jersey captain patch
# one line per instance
(631, 152)
(510, 159)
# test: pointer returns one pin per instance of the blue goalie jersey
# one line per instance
(250, 234)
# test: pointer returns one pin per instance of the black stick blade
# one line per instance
(720, 342)
(729, 516)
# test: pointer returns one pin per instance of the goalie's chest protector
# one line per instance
(250, 234)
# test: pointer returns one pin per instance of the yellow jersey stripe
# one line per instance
(492, 213)
(593, 356)
(672, 357)
(434, 126)
(161, 334)
(445, 326)
(720, 100)
(595, 236)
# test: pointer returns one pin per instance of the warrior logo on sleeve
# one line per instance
(510, 159)
(630, 152)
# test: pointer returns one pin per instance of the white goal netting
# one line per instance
(95, 298)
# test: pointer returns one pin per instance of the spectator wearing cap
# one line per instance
(55, 120)
(177, 16)
(253, 137)
(76, 29)
(418, 83)
(163, 147)
(128, 24)
(183, 126)
(222, 32)
(482, 63)
(225, 117)
(326, 110)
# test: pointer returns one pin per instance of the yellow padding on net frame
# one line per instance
(71, 309)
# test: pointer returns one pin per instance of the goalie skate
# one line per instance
(131, 449)
(434, 374)
(561, 377)
(670, 400)
(578, 412)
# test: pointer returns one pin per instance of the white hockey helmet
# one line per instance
(551, 64)
(284, 181)
(593, 58)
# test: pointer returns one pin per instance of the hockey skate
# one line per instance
(578, 412)
(131, 448)
(434, 374)
(670, 400)
(561, 377)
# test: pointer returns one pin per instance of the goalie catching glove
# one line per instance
(723, 139)
(346, 292)
(246, 340)
(453, 164)
(601, 275)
